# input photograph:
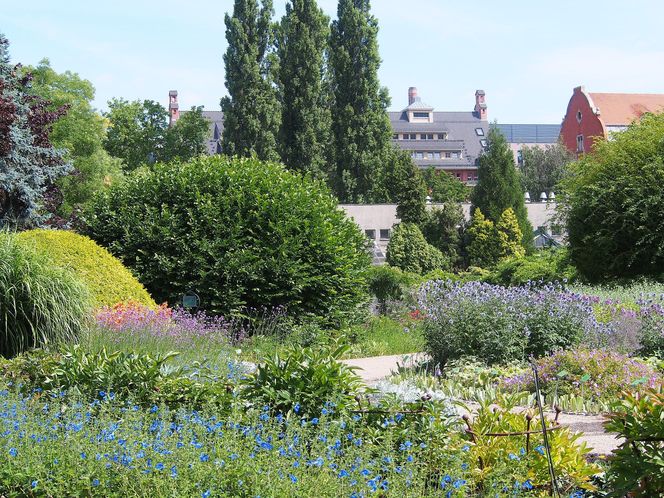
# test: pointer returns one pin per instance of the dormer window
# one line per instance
(479, 132)
(421, 115)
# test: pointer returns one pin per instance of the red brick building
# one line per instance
(597, 115)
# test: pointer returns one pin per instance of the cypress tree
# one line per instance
(251, 111)
(29, 165)
(360, 125)
(499, 186)
(305, 116)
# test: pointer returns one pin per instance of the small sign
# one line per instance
(190, 300)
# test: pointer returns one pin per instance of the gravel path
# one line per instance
(377, 368)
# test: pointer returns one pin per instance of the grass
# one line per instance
(625, 294)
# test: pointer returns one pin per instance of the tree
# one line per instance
(442, 229)
(80, 132)
(542, 169)
(139, 134)
(305, 118)
(615, 204)
(29, 165)
(482, 244)
(499, 186)
(404, 185)
(251, 110)
(509, 235)
(443, 187)
(360, 124)
(409, 251)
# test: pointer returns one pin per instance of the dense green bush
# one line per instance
(240, 233)
(637, 466)
(545, 266)
(409, 251)
(615, 217)
(441, 228)
(108, 281)
(389, 284)
(40, 304)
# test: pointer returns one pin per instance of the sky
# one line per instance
(526, 55)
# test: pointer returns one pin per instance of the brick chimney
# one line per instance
(480, 105)
(412, 94)
(173, 107)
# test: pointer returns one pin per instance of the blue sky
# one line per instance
(526, 55)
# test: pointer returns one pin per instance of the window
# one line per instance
(371, 234)
(436, 156)
(419, 155)
(579, 117)
(519, 157)
(456, 155)
(458, 175)
(483, 143)
(395, 136)
(448, 155)
(579, 143)
(421, 115)
(479, 131)
(384, 234)
(442, 136)
(409, 136)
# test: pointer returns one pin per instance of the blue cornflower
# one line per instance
(206, 494)
(540, 449)
(33, 484)
(292, 478)
(83, 455)
(174, 471)
(95, 483)
(154, 409)
(527, 485)
(13, 452)
(314, 421)
(324, 411)
(512, 456)
(296, 408)
(343, 473)
(159, 466)
(459, 483)
(204, 457)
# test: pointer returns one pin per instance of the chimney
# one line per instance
(480, 105)
(173, 107)
(412, 94)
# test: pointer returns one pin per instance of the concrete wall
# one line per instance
(383, 216)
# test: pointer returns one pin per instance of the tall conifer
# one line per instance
(360, 125)
(305, 117)
(251, 111)
(499, 186)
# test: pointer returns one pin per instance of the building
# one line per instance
(216, 119)
(448, 141)
(519, 136)
(595, 116)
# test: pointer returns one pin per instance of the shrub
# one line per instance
(389, 284)
(40, 304)
(637, 466)
(545, 266)
(441, 229)
(409, 251)
(241, 233)
(616, 208)
(107, 279)
(303, 380)
(594, 375)
(500, 325)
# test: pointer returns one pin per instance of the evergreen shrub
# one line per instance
(40, 304)
(409, 251)
(241, 233)
(108, 281)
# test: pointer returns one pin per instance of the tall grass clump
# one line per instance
(40, 304)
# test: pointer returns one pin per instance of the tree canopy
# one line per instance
(542, 169)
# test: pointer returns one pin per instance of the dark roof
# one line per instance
(530, 133)
(430, 145)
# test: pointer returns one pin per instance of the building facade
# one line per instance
(519, 136)
(596, 116)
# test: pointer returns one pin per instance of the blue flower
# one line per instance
(540, 449)
(204, 457)
(292, 478)
(174, 471)
(527, 485)
(459, 483)
(33, 484)
(13, 452)
(314, 421)
(95, 483)
(296, 408)
(342, 473)
(159, 466)
(512, 456)
(154, 409)
(206, 494)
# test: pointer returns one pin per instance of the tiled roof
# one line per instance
(529, 133)
(623, 108)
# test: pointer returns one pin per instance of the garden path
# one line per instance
(379, 367)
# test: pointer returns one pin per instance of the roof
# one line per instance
(418, 105)
(529, 133)
(623, 108)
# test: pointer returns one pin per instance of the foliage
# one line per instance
(301, 380)
(40, 304)
(388, 284)
(240, 233)
(545, 266)
(504, 460)
(106, 278)
(615, 205)
(80, 132)
(509, 235)
(139, 133)
(594, 375)
(637, 467)
(383, 335)
(441, 228)
(29, 165)
(443, 187)
(251, 109)
(410, 252)
(500, 325)
(404, 184)
(499, 187)
(305, 117)
(543, 168)
(361, 128)
(482, 241)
